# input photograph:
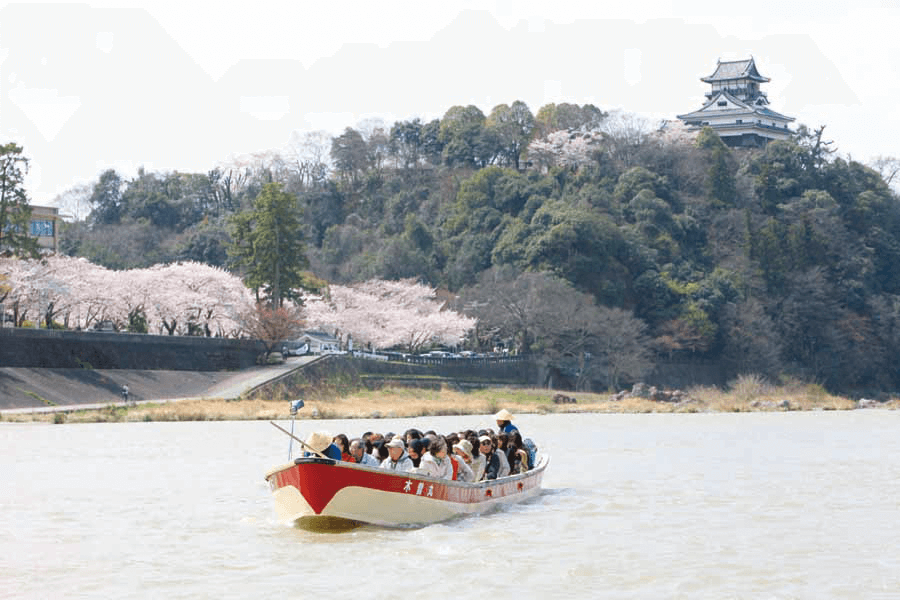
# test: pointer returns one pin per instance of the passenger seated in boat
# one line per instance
(435, 462)
(491, 460)
(417, 448)
(321, 442)
(462, 454)
(526, 446)
(375, 438)
(500, 443)
(398, 459)
(412, 434)
(504, 418)
(360, 456)
(518, 459)
(380, 451)
(343, 444)
(477, 463)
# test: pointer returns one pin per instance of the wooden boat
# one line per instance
(318, 493)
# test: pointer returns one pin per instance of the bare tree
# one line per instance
(546, 315)
(625, 134)
(752, 344)
(622, 347)
(309, 153)
(888, 167)
(272, 326)
(75, 203)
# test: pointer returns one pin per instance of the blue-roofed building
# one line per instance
(737, 109)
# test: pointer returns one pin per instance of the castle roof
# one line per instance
(734, 107)
(735, 69)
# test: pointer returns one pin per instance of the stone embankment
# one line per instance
(649, 392)
(563, 399)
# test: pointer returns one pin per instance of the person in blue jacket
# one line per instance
(504, 418)
(321, 442)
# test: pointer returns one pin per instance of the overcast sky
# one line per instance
(184, 85)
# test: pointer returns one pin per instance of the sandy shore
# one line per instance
(407, 402)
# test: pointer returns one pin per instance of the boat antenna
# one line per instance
(295, 406)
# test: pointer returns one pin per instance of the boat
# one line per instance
(324, 494)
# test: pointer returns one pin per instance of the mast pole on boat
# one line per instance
(304, 444)
(295, 406)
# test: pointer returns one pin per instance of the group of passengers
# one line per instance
(467, 456)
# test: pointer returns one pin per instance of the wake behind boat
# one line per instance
(318, 493)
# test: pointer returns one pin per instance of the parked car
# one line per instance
(107, 326)
(294, 349)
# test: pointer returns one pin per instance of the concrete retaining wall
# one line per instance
(41, 348)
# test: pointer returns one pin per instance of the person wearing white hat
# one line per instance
(504, 418)
(462, 455)
(398, 459)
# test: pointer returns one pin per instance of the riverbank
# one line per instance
(409, 402)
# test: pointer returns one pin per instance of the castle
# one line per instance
(737, 109)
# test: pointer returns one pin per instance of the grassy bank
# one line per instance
(409, 402)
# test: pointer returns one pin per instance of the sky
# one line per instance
(187, 86)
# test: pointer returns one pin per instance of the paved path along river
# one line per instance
(164, 386)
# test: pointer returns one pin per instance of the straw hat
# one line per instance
(504, 415)
(465, 447)
(396, 442)
(318, 441)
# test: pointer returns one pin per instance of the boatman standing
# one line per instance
(504, 418)
(321, 442)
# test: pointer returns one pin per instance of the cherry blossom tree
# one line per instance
(184, 298)
(385, 314)
(570, 149)
(190, 298)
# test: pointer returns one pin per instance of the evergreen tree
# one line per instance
(267, 244)
(15, 213)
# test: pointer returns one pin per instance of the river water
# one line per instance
(760, 505)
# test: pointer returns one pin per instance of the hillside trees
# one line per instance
(511, 127)
(15, 212)
(708, 245)
(106, 199)
(462, 136)
(545, 315)
(267, 245)
(567, 117)
(720, 185)
(350, 155)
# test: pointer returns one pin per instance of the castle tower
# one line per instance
(737, 109)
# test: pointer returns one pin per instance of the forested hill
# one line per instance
(779, 260)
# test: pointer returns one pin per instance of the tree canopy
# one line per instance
(267, 245)
(15, 212)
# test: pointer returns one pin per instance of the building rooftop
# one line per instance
(735, 107)
(735, 69)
